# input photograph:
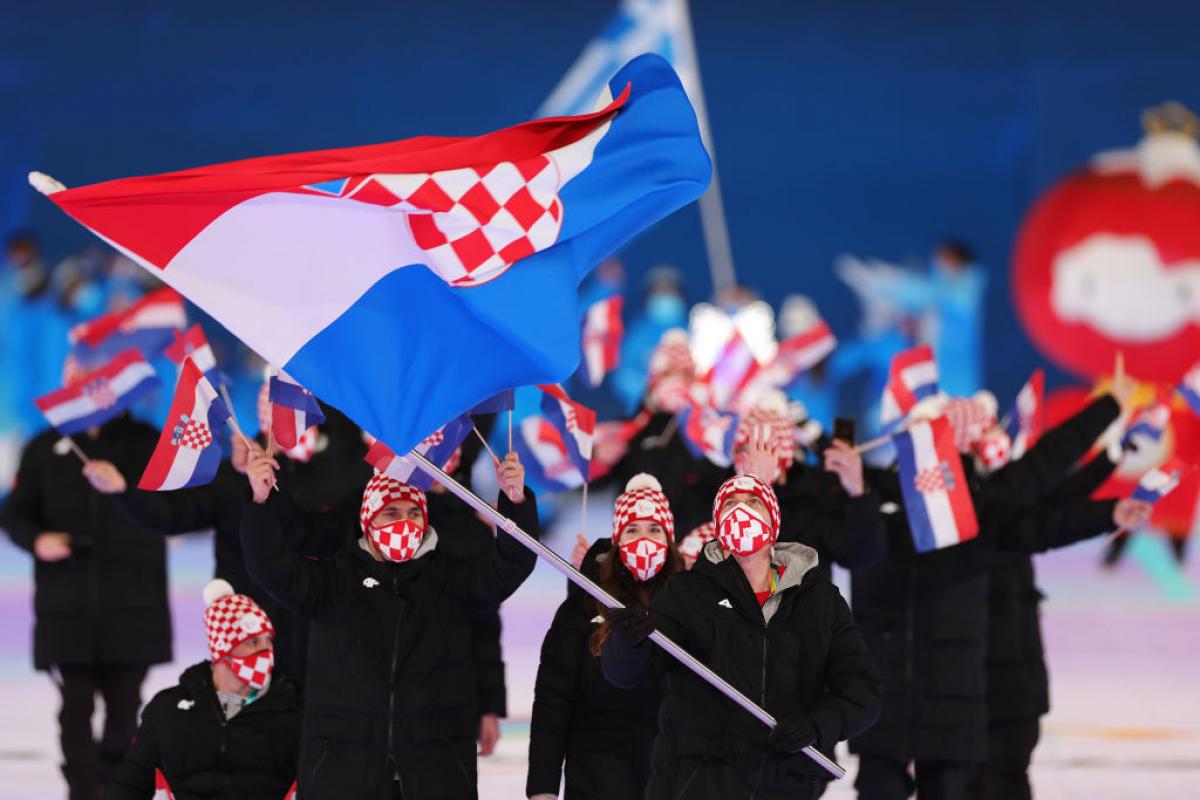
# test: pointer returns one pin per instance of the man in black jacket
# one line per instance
(231, 728)
(100, 592)
(769, 623)
(390, 707)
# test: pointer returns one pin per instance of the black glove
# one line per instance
(793, 734)
(633, 623)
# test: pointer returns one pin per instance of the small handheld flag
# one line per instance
(936, 496)
(602, 332)
(576, 424)
(1149, 423)
(1026, 418)
(547, 461)
(913, 376)
(293, 410)
(802, 351)
(439, 447)
(188, 450)
(504, 401)
(709, 433)
(147, 325)
(1159, 482)
(731, 372)
(100, 395)
(194, 344)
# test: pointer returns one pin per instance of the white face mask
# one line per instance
(743, 531)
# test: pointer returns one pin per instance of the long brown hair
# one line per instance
(617, 580)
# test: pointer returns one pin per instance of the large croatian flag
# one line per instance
(188, 450)
(913, 376)
(194, 345)
(405, 282)
(1025, 419)
(439, 447)
(576, 423)
(709, 433)
(95, 397)
(936, 496)
(146, 325)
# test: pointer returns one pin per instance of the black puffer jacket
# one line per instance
(924, 616)
(800, 654)
(815, 510)
(202, 755)
(603, 733)
(1017, 683)
(106, 602)
(391, 680)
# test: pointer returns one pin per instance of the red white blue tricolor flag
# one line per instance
(936, 496)
(1149, 423)
(439, 447)
(95, 397)
(146, 325)
(293, 410)
(576, 423)
(731, 372)
(545, 455)
(913, 376)
(602, 332)
(1025, 419)
(709, 433)
(1159, 482)
(405, 282)
(188, 450)
(194, 345)
(1189, 387)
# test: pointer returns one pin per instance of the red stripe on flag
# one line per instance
(960, 499)
(164, 453)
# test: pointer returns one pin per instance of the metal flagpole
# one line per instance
(712, 207)
(601, 596)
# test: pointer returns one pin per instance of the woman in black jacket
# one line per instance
(231, 728)
(603, 733)
(765, 620)
(100, 592)
(390, 703)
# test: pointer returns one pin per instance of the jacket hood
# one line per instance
(798, 560)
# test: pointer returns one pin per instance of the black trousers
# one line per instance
(86, 762)
(885, 779)
(1005, 776)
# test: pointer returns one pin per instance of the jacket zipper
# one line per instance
(908, 663)
(391, 725)
(762, 702)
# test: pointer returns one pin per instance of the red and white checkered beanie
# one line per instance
(691, 545)
(643, 499)
(773, 412)
(672, 355)
(756, 486)
(970, 418)
(231, 619)
(383, 489)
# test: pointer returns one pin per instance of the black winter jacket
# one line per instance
(1017, 684)
(603, 733)
(202, 755)
(800, 654)
(924, 616)
(107, 602)
(814, 510)
(390, 691)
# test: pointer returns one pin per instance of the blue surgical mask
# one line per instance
(666, 309)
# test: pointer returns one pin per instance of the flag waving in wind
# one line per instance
(936, 497)
(405, 282)
(602, 332)
(293, 410)
(709, 433)
(194, 345)
(188, 451)
(913, 376)
(1159, 482)
(96, 397)
(439, 447)
(576, 424)
(147, 325)
(1024, 421)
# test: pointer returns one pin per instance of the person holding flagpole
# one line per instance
(390, 702)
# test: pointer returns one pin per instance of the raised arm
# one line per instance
(496, 574)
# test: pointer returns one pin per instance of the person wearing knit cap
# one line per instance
(757, 612)
(602, 733)
(230, 722)
(391, 708)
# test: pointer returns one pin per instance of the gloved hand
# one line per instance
(633, 623)
(793, 734)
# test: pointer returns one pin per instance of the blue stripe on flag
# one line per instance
(101, 416)
(919, 522)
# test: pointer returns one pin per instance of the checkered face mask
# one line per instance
(743, 530)
(253, 670)
(644, 557)
(397, 541)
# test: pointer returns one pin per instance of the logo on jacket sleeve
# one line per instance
(185, 705)
(725, 603)
(370, 583)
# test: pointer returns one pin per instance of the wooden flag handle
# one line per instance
(488, 447)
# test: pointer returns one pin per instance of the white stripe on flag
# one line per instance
(920, 374)
(158, 315)
(937, 504)
(183, 466)
(83, 405)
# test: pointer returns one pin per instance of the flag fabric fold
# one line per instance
(438, 447)
(1159, 482)
(194, 344)
(602, 332)
(912, 377)
(146, 324)
(372, 273)
(576, 424)
(95, 397)
(188, 450)
(547, 461)
(709, 433)
(1026, 418)
(294, 410)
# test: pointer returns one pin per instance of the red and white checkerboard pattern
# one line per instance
(479, 220)
(994, 449)
(196, 435)
(398, 541)
(754, 485)
(642, 504)
(743, 531)
(231, 620)
(383, 489)
(672, 355)
(691, 545)
(101, 393)
(970, 419)
(643, 557)
(782, 434)
(934, 479)
(253, 670)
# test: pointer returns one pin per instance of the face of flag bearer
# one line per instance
(399, 510)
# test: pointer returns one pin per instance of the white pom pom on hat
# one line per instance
(215, 589)
(643, 480)
(987, 400)
(774, 401)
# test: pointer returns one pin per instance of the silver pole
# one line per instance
(603, 597)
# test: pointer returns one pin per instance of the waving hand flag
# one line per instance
(95, 397)
(1159, 482)
(545, 455)
(936, 497)
(293, 410)
(439, 447)
(194, 345)
(602, 332)
(1149, 423)
(334, 264)
(913, 376)
(576, 424)
(188, 451)
(1024, 421)
(147, 325)
(709, 433)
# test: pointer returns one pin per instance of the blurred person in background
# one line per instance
(28, 334)
(814, 387)
(664, 307)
